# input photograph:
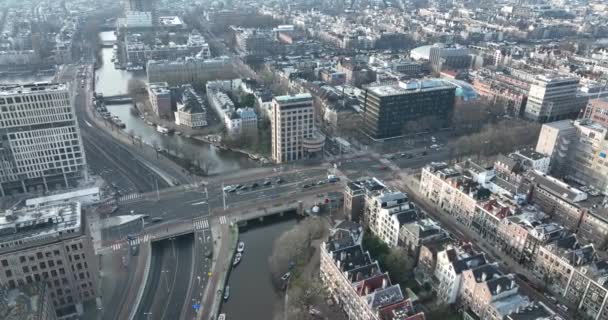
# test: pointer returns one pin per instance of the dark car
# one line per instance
(254, 185)
(306, 186)
(279, 180)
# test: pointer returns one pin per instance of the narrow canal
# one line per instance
(252, 295)
(110, 81)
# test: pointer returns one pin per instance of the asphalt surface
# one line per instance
(106, 156)
(168, 280)
(202, 201)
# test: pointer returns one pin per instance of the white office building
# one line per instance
(41, 144)
(293, 131)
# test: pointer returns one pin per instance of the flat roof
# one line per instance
(11, 89)
(32, 224)
(410, 87)
(293, 98)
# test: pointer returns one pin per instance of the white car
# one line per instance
(228, 188)
(434, 146)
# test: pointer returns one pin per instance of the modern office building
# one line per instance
(388, 108)
(27, 302)
(442, 57)
(293, 130)
(41, 144)
(187, 70)
(50, 244)
(553, 98)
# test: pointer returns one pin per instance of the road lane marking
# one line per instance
(198, 203)
(223, 220)
(88, 123)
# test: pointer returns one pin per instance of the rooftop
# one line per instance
(294, 98)
(39, 223)
(410, 87)
(11, 89)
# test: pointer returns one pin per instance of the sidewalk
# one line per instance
(225, 243)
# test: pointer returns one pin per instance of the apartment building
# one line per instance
(191, 111)
(388, 108)
(41, 143)
(597, 111)
(450, 264)
(355, 195)
(159, 95)
(357, 284)
(414, 234)
(489, 294)
(242, 121)
(294, 136)
(553, 98)
(383, 199)
(50, 244)
(27, 302)
(554, 141)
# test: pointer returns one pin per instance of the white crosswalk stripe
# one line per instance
(131, 196)
(201, 224)
(116, 246)
(223, 220)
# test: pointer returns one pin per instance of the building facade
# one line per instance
(597, 111)
(41, 143)
(191, 111)
(553, 98)
(27, 302)
(391, 110)
(292, 127)
(50, 244)
(189, 70)
(160, 98)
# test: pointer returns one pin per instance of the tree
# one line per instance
(247, 100)
(156, 148)
(294, 246)
(132, 136)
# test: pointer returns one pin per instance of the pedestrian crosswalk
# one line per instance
(132, 196)
(116, 246)
(201, 224)
(141, 239)
(223, 220)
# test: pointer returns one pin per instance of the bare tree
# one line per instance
(131, 134)
(156, 148)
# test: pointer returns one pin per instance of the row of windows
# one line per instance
(35, 98)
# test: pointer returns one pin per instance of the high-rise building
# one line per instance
(50, 244)
(41, 144)
(552, 98)
(387, 109)
(293, 130)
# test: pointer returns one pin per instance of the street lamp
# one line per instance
(148, 314)
(162, 276)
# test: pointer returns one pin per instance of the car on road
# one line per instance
(280, 180)
(267, 182)
(157, 219)
(321, 182)
(434, 146)
(228, 188)
(254, 185)
(306, 186)
(424, 153)
(562, 307)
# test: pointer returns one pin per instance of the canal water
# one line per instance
(111, 81)
(252, 295)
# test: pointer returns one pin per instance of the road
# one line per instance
(168, 280)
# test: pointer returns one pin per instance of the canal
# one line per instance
(110, 81)
(252, 295)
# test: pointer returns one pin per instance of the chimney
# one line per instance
(366, 290)
(498, 289)
(384, 283)
(483, 277)
(342, 255)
